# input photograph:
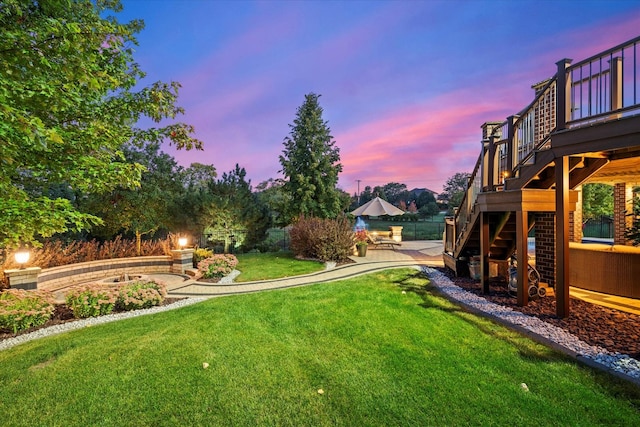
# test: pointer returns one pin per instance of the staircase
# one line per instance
(516, 169)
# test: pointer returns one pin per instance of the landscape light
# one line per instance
(22, 256)
(182, 242)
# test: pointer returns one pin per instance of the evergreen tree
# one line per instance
(310, 164)
(633, 232)
(236, 216)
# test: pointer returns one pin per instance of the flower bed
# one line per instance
(22, 310)
(217, 266)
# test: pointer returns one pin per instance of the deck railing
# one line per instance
(603, 87)
(606, 83)
(469, 200)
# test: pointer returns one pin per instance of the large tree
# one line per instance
(455, 188)
(396, 193)
(597, 201)
(310, 165)
(69, 100)
(145, 209)
(271, 194)
(236, 215)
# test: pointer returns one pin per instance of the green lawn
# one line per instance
(273, 265)
(381, 357)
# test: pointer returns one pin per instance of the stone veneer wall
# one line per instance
(67, 275)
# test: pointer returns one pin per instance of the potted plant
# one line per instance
(361, 242)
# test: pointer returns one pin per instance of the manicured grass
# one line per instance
(381, 357)
(273, 265)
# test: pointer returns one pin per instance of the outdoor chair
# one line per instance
(379, 241)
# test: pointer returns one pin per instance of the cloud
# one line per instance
(404, 100)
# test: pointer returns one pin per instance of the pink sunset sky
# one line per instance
(405, 85)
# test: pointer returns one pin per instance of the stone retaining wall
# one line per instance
(72, 274)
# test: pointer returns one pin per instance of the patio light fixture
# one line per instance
(182, 242)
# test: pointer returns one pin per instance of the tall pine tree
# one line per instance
(310, 164)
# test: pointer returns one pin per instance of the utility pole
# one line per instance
(358, 192)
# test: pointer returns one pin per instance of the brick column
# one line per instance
(23, 278)
(622, 205)
(545, 232)
(576, 219)
(182, 260)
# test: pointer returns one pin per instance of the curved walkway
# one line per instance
(417, 253)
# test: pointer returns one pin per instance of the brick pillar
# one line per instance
(182, 260)
(622, 205)
(545, 232)
(23, 278)
(576, 219)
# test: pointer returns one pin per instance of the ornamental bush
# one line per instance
(322, 239)
(140, 294)
(217, 266)
(92, 300)
(200, 254)
(20, 309)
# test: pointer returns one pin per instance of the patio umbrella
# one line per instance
(377, 207)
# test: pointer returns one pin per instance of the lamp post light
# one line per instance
(182, 242)
(182, 258)
(22, 278)
(22, 256)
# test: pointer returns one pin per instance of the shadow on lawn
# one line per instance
(431, 300)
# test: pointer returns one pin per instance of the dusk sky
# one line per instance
(405, 85)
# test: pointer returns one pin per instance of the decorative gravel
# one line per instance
(229, 278)
(617, 362)
(79, 324)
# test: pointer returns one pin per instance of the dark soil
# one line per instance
(62, 314)
(615, 330)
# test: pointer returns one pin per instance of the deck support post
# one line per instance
(512, 150)
(484, 252)
(522, 248)
(562, 236)
(491, 165)
(563, 94)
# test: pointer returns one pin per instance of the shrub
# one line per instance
(20, 309)
(92, 300)
(55, 252)
(200, 254)
(217, 266)
(323, 239)
(140, 294)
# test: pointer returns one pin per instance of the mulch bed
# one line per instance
(615, 330)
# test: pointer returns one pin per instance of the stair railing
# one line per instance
(465, 210)
(603, 87)
(534, 126)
